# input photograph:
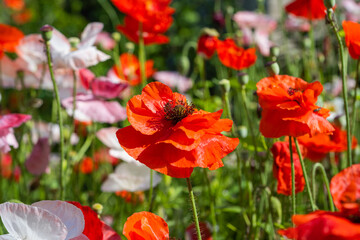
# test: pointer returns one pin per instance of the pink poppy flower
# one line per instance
(90, 108)
(105, 40)
(38, 160)
(262, 25)
(352, 10)
(44, 220)
(108, 137)
(293, 23)
(85, 54)
(7, 123)
(101, 86)
(174, 80)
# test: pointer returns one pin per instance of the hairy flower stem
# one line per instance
(58, 106)
(142, 57)
(193, 205)
(243, 98)
(307, 183)
(357, 79)
(334, 27)
(293, 194)
(326, 181)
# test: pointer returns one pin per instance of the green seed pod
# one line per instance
(74, 41)
(272, 68)
(116, 36)
(329, 3)
(225, 85)
(243, 78)
(46, 32)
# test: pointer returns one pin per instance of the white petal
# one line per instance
(31, 223)
(59, 43)
(130, 177)
(88, 36)
(7, 237)
(70, 215)
(85, 57)
(123, 155)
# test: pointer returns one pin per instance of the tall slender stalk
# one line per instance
(307, 183)
(357, 79)
(142, 56)
(46, 34)
(151, 190)
(193, 205)
(326, 181)
(334, 27)
(293, 194)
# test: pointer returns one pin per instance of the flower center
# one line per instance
(291, 91)
(175, 111)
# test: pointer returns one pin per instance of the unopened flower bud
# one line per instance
(130, 46)
(243, 78)
(225, 85)
(74, 41)
(275, 51)
(272, 68)
(329, 3)
(210, 32)
(46, 32)
(116, 36)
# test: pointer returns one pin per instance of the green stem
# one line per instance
(330, 15)
(116, 56)
(243, 98)
(151, 190)
(201, 66)
(293, 194)
(212, 203)
(58, 106)
(142, 57)
(110, 12)
(193, 205)
(326, 181)
(357, 79)
(313, 206)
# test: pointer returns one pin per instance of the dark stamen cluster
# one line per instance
(292, 91)
(176, 111)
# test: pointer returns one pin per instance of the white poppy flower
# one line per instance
(130, 177)
(44, 220)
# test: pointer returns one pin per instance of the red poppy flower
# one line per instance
(22, 17)
(15, 4)
(130, 69)
(206, 45)
(318, 146)
(352, 38)
(282, 168)
(6, 165)
(289, 108)
(322, 225)
(95, 229)
(152, 31)
(233, 56)
(131, 197)
(9, 38)
(87, 165)
(172, 137)
(144, 10)
(309, 9)
(345, 189)
(145, 225)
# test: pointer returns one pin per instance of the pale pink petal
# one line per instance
(82, 58)
(263, 42)
(7, 139)
(31, 50)
(59, 43)
(108, 137)
(103, 87)
(70, 215)
(130, 177)
(97, 110)
(245, 19)
(109, 233)
(105, 40)
(38, 160)
(174, 80)
(13, 120)
(30, 222)
(88, 36)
